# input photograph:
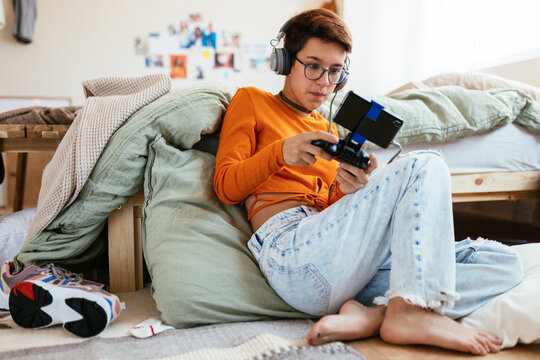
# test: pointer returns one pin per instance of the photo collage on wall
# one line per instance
(194, 49)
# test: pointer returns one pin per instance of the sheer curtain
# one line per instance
(397, 41)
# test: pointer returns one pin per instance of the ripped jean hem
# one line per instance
(445, 301)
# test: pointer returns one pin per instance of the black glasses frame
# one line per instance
(342, 76)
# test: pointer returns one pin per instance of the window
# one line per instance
(397, 41)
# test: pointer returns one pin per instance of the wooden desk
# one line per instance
(22, 139)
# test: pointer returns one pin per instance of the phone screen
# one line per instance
(352, 115)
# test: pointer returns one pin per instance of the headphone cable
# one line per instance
(330, 115)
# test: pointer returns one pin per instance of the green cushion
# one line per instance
(450, 112)
(181, 116)
(195, 246)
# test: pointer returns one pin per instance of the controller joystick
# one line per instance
(345, 153)
(329, 147)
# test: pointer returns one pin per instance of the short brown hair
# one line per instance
(320, 23)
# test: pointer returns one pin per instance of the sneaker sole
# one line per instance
(36, 304)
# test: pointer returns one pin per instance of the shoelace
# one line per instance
(61, 273)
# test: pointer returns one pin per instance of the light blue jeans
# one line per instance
(392, 238)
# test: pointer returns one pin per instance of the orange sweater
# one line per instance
(250, 158)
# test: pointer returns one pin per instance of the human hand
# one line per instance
(351, 178)
(298, 150)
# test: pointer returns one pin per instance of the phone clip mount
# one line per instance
(368, 121)
(349, 150)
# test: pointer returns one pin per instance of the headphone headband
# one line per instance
(283, 30)
(281, 62)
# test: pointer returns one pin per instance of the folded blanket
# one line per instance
(181, 116)
(110, 101)
(40, 115)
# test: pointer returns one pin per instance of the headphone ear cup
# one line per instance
(274, 61)
(286, 62)
(341, 84)
(280, 61)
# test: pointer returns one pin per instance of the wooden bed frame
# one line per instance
(125, 224)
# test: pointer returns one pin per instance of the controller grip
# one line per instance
(330, 148)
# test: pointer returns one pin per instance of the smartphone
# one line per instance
(352, 112)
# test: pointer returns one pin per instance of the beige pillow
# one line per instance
(481, 81)
(476, 81)
(407, 86)
(514, 316)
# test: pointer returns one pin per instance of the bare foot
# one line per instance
(354, 321)
(408, 324)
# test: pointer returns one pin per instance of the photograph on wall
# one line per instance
(192, 32)
(200, 33)
(191, 49)
(201, 63)
(202, 36)
(178, 66)
(224, 60)
(157, 44)
(155, 61)
(141, 45)
(257, 55)
(230, 39)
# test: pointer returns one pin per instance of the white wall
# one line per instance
(76, 40)
(525, 71)
(398, 41)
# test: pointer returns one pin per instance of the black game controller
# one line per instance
(344, 152)
(366, 120)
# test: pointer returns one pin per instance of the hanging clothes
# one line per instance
(2, 16)
(25, 17)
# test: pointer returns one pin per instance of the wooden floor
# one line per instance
(376, 349)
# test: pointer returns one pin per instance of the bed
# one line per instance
(500, 164)
(152, 186)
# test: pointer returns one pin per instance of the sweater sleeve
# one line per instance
(336, 193)
(239, 170)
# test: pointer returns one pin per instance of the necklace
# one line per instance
(293, 104)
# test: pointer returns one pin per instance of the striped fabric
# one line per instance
(266, 347)
(109, 102)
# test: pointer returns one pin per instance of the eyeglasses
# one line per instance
(315, 72)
